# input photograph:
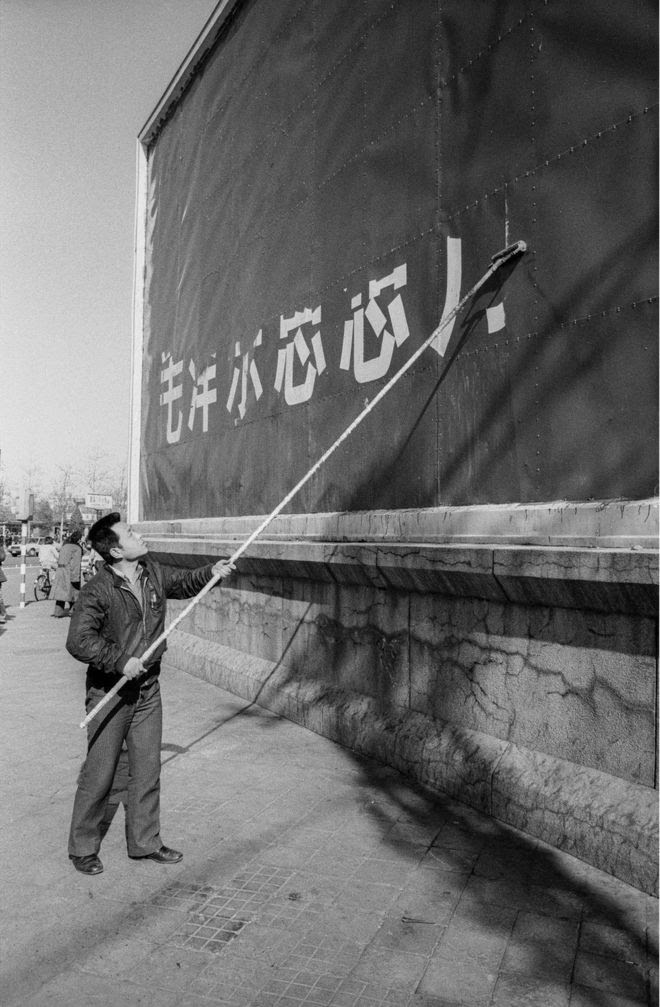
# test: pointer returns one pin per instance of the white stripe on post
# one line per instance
(24, 528)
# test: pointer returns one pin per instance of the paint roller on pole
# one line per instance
(497, 261)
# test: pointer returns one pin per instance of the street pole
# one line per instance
(24, 531)
(26, 517)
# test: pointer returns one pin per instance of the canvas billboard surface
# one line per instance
(335, 178)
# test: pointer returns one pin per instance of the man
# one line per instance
(119, 613)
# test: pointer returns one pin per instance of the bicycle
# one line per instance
(43, 586)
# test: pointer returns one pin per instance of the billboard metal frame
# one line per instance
(508, 520)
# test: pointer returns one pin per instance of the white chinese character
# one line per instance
(169, 397)
(248, 367)
(301, 392)
(495, 318)
(452, 295)
(396, 335)
(203, 396)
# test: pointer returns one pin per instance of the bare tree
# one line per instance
(44, 517)
(61, 496)
(96, 471)
(32, 478)
(6, 510)
(103, 474)
(119, 489)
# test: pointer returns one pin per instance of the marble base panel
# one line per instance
(574, 684)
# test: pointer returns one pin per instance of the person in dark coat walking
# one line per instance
(66, 582)
(119, 613)
(3, 578)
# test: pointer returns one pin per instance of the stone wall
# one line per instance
(519, 678)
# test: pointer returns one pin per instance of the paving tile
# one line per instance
(411, 832)
(437, 880)
(582, 996)
(523, 991)
(618, 977)
(116, 956)
(426, 1000)
(430, 905)
(403, 934)
(505, 862)
(551, 962)
(480, 916)
(449, 859)
(359, 993)
(612, 942)
(470, 841)
(463, 981)
(364, 896)
(380, 871)
(537, 927)
(510, 893)
(464, 946)
(614, 903)
(168, 968)
(66, 990)
(392, 968)
(555, 901)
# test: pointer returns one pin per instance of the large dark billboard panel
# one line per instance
(332, 181)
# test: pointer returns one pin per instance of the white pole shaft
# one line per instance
(497, 261)
(24, 528)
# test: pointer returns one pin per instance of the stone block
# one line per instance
(355, 564)
(576, 685)
(355, 638)
(460, 570)
(605, 580)
(246, 613)
(606, 821)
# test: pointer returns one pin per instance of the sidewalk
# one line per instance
(310, 876)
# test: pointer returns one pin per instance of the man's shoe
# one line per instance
(164, 856)
(87, 865)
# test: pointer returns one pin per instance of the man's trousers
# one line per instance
(135, 717)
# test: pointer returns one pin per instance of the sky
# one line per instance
(78, 80)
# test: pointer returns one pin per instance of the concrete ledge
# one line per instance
(600, 556)
(610, 524)
(607, 822)
(605, 580)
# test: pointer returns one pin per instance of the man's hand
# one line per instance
(134, 668)
(223, 569)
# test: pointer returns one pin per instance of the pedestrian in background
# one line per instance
(48, 555)
(3, 578)
(66, 584)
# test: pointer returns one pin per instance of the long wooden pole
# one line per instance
(497, 261)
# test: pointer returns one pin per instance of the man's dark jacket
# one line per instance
(109, 626)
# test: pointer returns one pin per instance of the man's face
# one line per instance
(131, 545)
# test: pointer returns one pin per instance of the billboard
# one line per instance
(98, 501)
(330, 182)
